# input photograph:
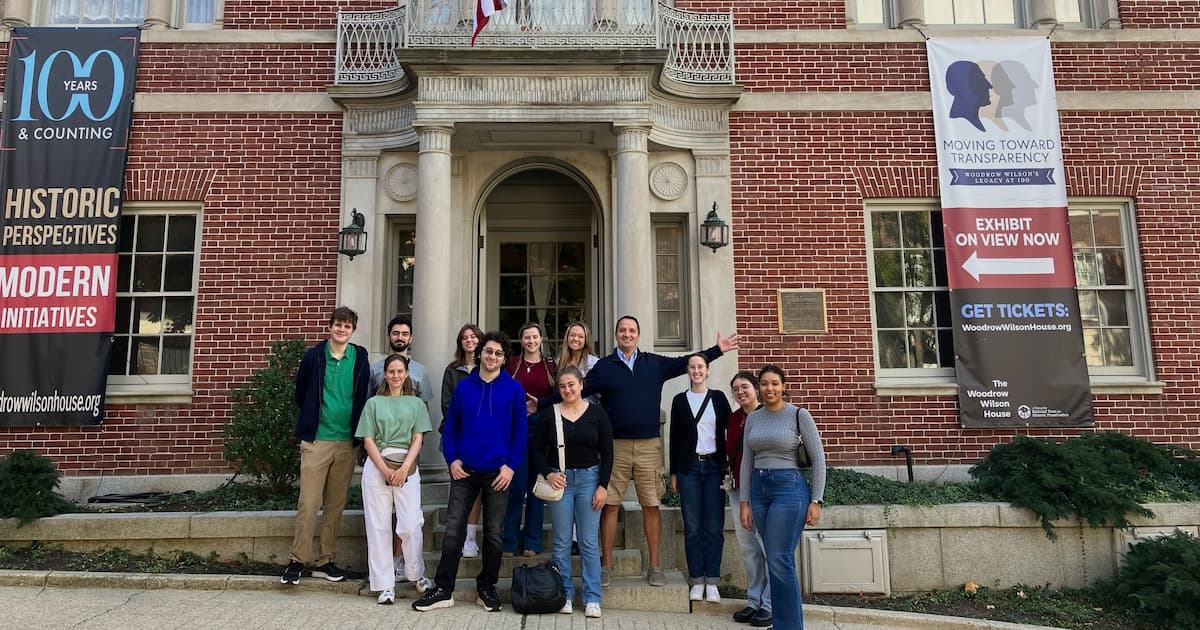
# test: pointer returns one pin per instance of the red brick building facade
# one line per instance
(237, 126)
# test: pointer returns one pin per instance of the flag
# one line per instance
(483, 11)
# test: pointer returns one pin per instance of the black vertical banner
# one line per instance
(67, 110)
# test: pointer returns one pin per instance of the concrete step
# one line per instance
(625, 593)
(626, 563)
(437, 532)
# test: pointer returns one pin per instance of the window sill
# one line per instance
(162, 394)
(894, 388)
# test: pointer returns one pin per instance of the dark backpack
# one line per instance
(537, 589)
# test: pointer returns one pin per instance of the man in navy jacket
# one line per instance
(332, 387)
(630, 385)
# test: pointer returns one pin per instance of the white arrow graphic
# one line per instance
(977, 266)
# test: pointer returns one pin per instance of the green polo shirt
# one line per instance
(393, 420)
(337, 397)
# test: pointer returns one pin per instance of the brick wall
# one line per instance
(1159, 14)
(270, 186)
(294, 14)
(797, 199)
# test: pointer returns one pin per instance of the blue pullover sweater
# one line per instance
(485, 427)
(631, 397)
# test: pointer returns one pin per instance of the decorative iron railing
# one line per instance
(699, 45)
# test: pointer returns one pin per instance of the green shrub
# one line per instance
(28, 487)
(1098, 478)
(1160, 582)
(844, 486)
(260, 437)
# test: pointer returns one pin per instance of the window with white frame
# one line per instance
(186, 13)
(982, 13)
(910, 300)
(156, 296)
(404, 242)
(670, 280)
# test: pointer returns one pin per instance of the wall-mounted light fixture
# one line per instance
(352, 240)
(714, 233)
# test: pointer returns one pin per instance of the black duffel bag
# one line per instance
(537, 589)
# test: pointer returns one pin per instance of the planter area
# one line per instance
(915, 548)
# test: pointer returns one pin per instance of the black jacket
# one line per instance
(683, 431)
(310, 382)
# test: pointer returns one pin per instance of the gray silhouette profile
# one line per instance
(1016, 91)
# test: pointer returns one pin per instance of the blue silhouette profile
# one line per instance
(966, 82)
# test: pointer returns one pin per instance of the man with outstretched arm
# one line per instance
(630, 384)
(483, 441)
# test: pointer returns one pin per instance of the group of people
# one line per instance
(585, 425)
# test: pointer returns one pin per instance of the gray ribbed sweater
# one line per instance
(770, 441)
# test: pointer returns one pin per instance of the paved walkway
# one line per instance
(55, 607)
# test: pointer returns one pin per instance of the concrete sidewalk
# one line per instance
(33, 599)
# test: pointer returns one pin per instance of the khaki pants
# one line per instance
(325, 472)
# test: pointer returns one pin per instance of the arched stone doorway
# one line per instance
(541, 256)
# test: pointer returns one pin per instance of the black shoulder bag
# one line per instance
(802, 460)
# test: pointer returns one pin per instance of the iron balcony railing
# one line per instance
(699, 45)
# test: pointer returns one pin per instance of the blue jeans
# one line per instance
(758, 590)
(575, 508)
(703, 504)
(522, 502)
(779, 500)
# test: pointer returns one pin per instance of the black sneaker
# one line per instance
(488, 599)
(744, 615)
(329, 571)
(291, 575)
(434, 598)
(761, 619)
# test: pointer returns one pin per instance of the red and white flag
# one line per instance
(483, 12)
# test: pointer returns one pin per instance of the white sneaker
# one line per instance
(566, 609)
(399, 563)
(592, 610)
(422, 585)
(697, 592)
(387, 597)
(470, 549)
(711, 594)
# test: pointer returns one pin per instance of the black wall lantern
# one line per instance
(352, 240)
(714, 233)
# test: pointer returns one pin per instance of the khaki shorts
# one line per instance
(640, 460)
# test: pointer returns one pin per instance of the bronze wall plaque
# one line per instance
(802, 311)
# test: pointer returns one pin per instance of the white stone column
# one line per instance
(1042, 14)
(18, 13)
(910, 13)
(358, 281)
(158, 15)
(717, 301)
(433, 327)
(633, 239)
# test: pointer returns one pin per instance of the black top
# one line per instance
(588, 442)
(683, 430)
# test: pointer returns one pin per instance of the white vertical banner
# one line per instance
(1018, 336)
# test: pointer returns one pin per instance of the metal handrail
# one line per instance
(699, 45)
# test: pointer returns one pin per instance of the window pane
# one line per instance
(1107, 224)
(887, 269)
(968, 12)
(200, 11)
(178, 273)
(1112, 308)
(124, 272)
(151, 233)
(124, 314)
(1089, 308)
(144, 358)
(1117, 348)
(918, 308)
(945, 348)
(404, 299)
(922, 349)
(147, 273)
(513, 291)
(542, 257)
(176, 354)
(511, 320)
(885, 229)
(181, 233)
(667, 268)
(1113, 262)
(571, 257)
(939, 12)
(572, 290)
(916, 229)
(128, 226)
(869, 11)
(891, 349)
(1081, 229)
(1092, 348)
(148, 312)
(118, 361)
(942, 312)
(918, 272)
(889, 310)
(999, 12)
(177, 315)
(669, 272)
(668, 297)
(512, 258)
(1067, 11)
(669, 326)
(64, 12)
(1087, 272)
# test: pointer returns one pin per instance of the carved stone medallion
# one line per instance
(401, 182)
(668, 181)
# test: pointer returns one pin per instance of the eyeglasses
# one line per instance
(491, 353)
